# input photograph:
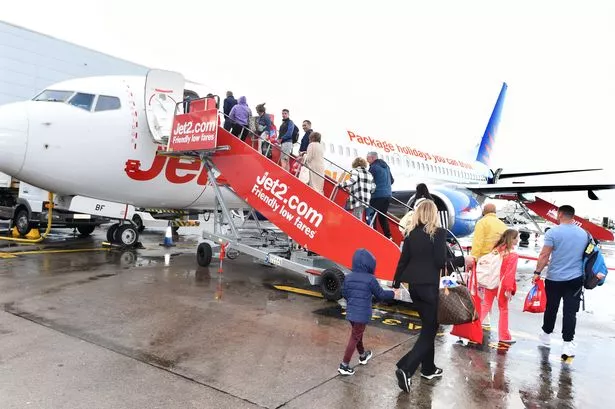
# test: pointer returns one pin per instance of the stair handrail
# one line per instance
(186, 104)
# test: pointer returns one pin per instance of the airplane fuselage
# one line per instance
(90, 137)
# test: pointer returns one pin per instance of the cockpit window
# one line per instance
(107, 103)
(53, 95)
(82, 100)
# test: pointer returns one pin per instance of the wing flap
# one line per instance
(522, 187)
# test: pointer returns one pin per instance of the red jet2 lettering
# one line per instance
(189, 170)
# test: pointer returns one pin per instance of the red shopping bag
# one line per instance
(472, 331)
(536, 300)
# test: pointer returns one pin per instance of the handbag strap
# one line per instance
(472, 280)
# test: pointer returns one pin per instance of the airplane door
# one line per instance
(163, 90)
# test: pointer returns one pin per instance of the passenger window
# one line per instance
(106, 103)
(332, 147)
(340, 149)
(51, 95)
(347, 151)
(356, 154)
(83, 101)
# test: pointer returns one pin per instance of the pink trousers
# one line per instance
(488, 297)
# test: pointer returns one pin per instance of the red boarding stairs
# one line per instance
(311, 219)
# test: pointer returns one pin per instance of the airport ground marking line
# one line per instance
(403, 311)
(31, 252)
(298, 290)
(24, 315)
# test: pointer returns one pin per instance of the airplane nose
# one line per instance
(13, 137)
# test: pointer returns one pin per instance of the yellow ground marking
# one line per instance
(20, 253)
(298, 290)
(404, 311)
(317, 294)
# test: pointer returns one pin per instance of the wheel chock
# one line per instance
(34, 234)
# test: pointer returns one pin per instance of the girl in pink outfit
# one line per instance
(508, 283)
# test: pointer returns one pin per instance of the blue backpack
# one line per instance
(593, 264)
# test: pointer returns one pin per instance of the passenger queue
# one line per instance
(425, 258)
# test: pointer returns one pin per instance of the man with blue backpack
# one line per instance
(564, 251)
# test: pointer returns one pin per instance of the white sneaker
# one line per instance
(568, 350)
(545, 339)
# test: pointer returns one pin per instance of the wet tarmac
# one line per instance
(109, 329)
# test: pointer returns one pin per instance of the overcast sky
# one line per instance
(426, 74)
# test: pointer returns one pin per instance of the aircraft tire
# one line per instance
(86, 230)
(204, 254)
(331, 283)
(111, 233)
(127, 235)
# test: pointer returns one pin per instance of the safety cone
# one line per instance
(168, 237)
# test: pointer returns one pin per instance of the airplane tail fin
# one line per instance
(488, 140)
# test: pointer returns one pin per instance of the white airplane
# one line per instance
(93, 142)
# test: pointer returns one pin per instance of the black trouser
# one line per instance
(382, 205)
(239, 131)
(228, 124)
(425, 299)
(570, 291)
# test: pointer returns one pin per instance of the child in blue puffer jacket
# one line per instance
(359, 286)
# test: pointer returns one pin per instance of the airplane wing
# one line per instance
(523, 187)
(542, 173)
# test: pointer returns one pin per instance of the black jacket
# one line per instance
(229, 103)
(305, 141)
(422, 258)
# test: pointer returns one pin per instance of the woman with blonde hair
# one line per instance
(423, 256)
(361, 184)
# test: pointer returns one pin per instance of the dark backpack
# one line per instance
(295, 133)
(593, 264)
